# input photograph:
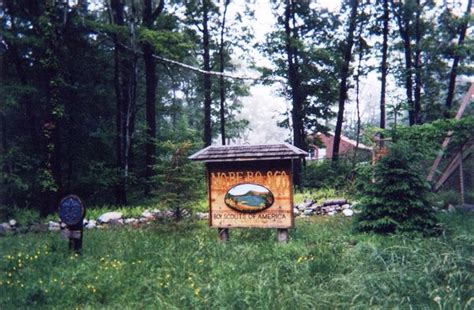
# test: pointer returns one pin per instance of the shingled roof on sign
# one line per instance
(248, 152)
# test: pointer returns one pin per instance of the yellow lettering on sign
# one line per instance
(249, 177)
(276, 180)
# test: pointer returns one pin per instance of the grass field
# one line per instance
(167, 266)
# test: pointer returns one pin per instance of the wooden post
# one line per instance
(75, 237)
(282, 235)
(223, 234)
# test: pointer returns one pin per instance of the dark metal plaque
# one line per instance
(71, 210)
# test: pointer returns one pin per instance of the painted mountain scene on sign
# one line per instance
(249, 198)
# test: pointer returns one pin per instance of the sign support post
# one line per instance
(223, 234)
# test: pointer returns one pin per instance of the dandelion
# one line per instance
(437, 299)
(10, 274)
(197, 290)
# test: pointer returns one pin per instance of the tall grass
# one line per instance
(170, 266)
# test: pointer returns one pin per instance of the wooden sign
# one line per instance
(250, 186)
(250, 194)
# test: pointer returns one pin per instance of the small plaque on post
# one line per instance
(71, 213)
(71, 210)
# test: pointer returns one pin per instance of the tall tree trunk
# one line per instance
(457, 58)
(403, 21)
(357, 81)
(26, 98)
(418, 65)
(150, 101)
(122, 97)
(294, 81)
(384, 67)
(207, 77)
(52, 33)
(343, 75)
(221, 79)
(357, 77)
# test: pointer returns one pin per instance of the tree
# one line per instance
(462, 29)
(125, 92)
(150, 14)
(396, 202)
(206, 7)
(384, 66)
(303, 54)
(344, 75)
(221, 78)
(403, 13)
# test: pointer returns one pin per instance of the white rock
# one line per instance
(12, 222)
(337, 201)
(332, 213)
(346, 206)
(118, 222)
(202, 215)
(308, 212)
(109, 216)
(53, 226)
(6, 226)
(147, 214)
(305, 205)
(91, 224)
(347, 212)
(130, 221)
(296, 212)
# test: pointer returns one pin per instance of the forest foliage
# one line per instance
(106, 99)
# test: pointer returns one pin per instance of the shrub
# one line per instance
(326, 174)
(179, 181)
(445, 198)
(397, 201)
(25, 216)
